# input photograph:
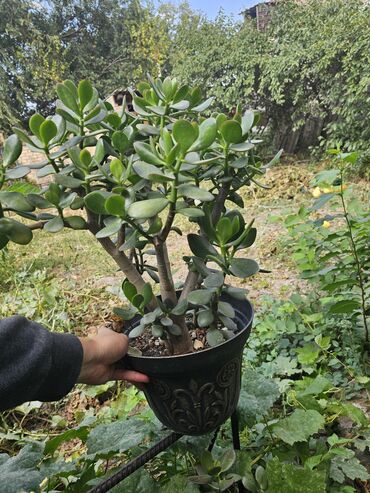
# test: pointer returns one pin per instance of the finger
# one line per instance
(130, 376)
(112, 345)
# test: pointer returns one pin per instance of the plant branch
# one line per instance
(357, 260)
(120, 258)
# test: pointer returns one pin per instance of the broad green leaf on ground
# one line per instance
(118, 436)
(179, 484)
(19, 473)
(139, 482)
(81, 433)
(299, 426)
(289, 478)
(257, 396)
(342, 467)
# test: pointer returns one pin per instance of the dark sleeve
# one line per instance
(35, 364)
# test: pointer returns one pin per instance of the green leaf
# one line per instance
(54, 225)
(203, 106)
(76, 222)
(35, 123)
(231, 131)
(179, 484)
(226, 309)
(16, 173)
(224, 230)
(205, 318)
(115, 205)
(68, 181)
(322, 200)
(180, 308)
(48, 131)
(243, 267)
(200, 246)
(184, 134)
(152, 173)
(112, 227)
(141, 482)
(257, 397)
(125, 313)
(289, 478)
(129, 289)
(299, 426)
(207, 135)
(214, 280)
(68, 98)
(95, 202)
(119, 436)
(53, 194)
(345, 306)
(191, 212)
(214, 337)
(195, 193)
(227, 459)
(15, 231)
(308, 354)
(20, 473)
(147, 154)
(85, 92)
(342, 467)
(120, 141)
(16, 201)
(51, 445)
(147, 294)
(147, 208)
(12, 150)
(200, 297)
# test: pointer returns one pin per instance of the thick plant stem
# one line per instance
(357, 261)
(164, 271)
(120, 258)
(182, 343)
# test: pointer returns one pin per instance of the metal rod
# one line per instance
(235, 430)
(136, 463)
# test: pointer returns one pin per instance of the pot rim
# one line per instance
(247, 325)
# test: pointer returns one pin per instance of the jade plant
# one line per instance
(125, 177)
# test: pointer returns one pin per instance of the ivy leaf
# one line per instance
(299, 426)
(257, 396)
(290, 478)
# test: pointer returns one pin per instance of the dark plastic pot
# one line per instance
(195, 393)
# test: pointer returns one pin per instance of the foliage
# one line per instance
(324, 74)
(123, 170)
(301, 419)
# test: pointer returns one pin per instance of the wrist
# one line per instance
(89, 354)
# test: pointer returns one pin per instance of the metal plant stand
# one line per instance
(157, 448)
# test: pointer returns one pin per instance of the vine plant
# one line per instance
(125, 176)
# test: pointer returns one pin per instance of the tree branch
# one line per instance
(120, 258)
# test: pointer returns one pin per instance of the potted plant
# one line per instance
(126, 177)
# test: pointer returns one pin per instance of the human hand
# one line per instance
(101, 352)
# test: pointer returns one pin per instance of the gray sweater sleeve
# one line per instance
(35, 364)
